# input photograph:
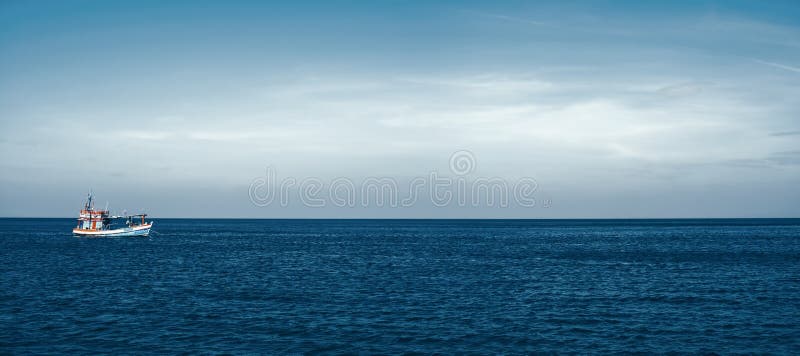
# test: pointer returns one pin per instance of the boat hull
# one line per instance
(141, 230)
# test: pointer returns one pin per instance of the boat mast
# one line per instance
(89, 201)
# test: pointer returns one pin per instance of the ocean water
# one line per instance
(396, 286)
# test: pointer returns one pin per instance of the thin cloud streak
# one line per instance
(778, 65)
(507, 18)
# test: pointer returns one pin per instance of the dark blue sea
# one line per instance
(398, 286)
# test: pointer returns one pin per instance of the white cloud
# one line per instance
(145, 135)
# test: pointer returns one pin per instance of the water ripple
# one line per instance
(404, 286)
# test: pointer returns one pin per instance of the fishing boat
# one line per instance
(100, 223)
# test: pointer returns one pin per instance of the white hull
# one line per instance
(141, 230)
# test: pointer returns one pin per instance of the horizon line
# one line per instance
(407, 218)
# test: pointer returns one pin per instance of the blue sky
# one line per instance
(618, 109)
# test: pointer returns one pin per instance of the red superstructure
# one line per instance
(91, 219)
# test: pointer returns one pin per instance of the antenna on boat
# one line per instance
(89, 200)
(106, 209)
